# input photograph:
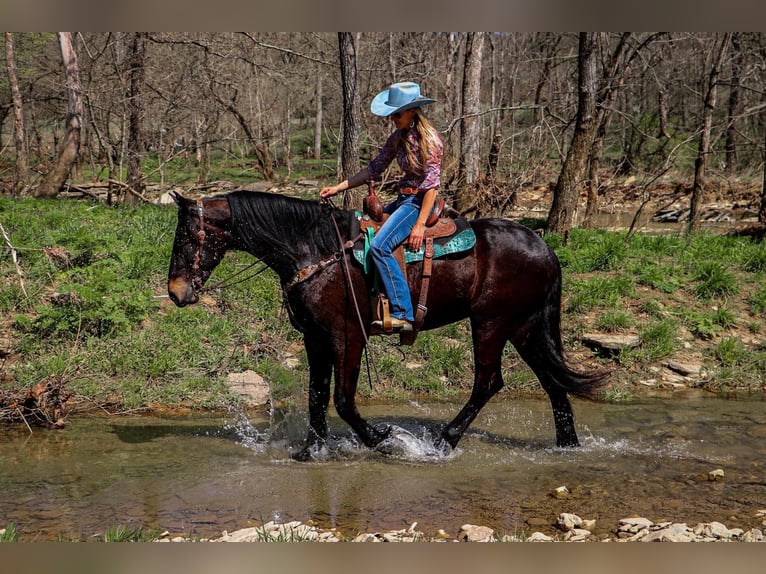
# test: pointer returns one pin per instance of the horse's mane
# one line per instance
(281, 223)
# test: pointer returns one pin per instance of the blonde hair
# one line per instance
(428, 137)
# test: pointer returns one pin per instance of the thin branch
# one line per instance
(15, 258)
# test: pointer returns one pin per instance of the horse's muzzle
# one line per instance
(182, 292)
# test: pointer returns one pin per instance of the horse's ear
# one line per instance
(177, 197)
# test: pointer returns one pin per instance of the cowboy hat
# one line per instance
(397, 98)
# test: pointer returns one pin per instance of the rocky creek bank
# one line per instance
(570, 527)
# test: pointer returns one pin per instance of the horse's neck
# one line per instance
(286, 245)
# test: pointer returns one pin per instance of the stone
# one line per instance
(367, 538)
(473, 533)
(754, 535)
(577, 535)
(567, 521)
(713, 530)
(609, 342)
(715, 475)
(634, 524)
(685, 369)
(589, 524)
(674, 533)
(250, 386)
(539, 537)
(560, 492)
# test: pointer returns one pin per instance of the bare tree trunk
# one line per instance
(735, 105)
(567, 190)
(700, 164)
(137, 73)
(22, 161)
(470, 132)
(352, 122)
(318, 117)
(762, 209)
(70, 147)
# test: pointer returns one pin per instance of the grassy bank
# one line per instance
(85, 310)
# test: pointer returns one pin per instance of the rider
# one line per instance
(417, 147)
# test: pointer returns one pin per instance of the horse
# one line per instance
(508, 286)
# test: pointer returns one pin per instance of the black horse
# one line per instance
(508, 285)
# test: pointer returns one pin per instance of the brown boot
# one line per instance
(397, 326)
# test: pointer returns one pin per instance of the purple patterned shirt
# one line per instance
(423, 181)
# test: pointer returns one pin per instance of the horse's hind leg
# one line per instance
(563, 418)
(488, 343)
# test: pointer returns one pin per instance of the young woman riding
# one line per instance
(417, 148)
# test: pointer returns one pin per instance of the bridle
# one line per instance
(196, 278)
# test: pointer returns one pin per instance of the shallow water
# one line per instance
(200, 475)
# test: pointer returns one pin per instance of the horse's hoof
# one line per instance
(303, 455)
(381, 435)
(310, 452)
(443, 446)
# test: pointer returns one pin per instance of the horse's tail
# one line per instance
(550, 351)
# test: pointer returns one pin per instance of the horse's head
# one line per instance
(202, 238)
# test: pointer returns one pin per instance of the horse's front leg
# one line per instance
(347, 363)
(319, 355)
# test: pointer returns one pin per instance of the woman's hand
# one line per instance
(329, 191)
(416, 236)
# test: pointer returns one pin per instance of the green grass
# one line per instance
(9, 533)
(95, 314)
(127, 533)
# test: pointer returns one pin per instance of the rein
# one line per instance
(344, 260)
(196, 272)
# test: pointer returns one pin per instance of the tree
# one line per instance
(567, 190)
(20, 179)
(470, 131)
(735, 101)
(708, 107)
(352, 123)
(137, 59)
(70, 147)
(318, 116)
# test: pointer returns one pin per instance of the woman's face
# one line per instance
(403, 119)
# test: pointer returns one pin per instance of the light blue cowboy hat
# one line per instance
(397, 98)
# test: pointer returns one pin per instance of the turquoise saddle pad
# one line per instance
(463, 240)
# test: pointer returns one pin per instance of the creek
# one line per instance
(199, 475)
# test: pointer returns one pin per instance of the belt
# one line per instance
(409, 190)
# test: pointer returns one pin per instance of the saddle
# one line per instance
(443, 235)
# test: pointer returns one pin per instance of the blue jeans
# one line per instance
(403, 215)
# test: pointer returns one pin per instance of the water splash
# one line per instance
(247, 433)
(405, 445)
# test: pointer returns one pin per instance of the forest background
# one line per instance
(565, 120)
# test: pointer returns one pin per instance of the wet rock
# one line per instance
(715, 475)
(567, 521)
(473, 533)
(560, 492)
